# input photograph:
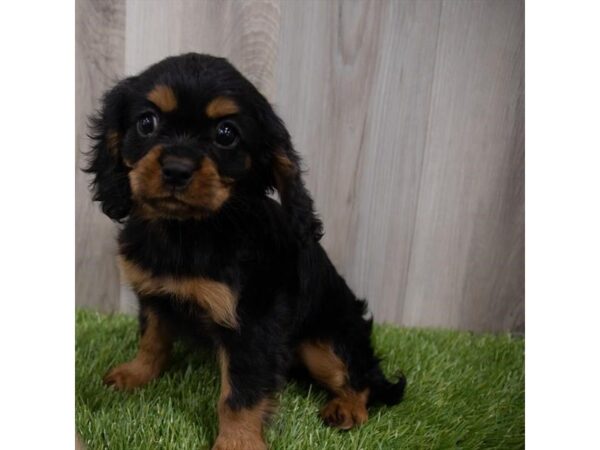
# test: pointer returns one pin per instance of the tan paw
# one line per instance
(344, 413)
(239, 443)
(130, 375)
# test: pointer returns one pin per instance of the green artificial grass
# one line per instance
(464, 391)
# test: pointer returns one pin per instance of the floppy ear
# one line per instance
(110, 184)
(286, 173)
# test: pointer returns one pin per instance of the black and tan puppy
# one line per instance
(184, 156)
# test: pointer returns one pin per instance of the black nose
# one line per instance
(177, 172)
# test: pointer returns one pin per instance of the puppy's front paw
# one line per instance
(239, 443)
(129, 376)
(344, 413)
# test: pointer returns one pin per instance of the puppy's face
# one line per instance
(186, 149)
(186, 138)
(188, 135)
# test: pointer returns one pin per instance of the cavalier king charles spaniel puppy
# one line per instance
(185, 156)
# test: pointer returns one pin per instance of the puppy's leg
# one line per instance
(153, 352)
(348, 407)
(248, 385)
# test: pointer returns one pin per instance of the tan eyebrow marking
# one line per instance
(163, 97)
(221, 106)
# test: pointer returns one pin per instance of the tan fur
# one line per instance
(163, 97)
(324, 365)
(216, 298)
(112, 142)
(348, 411)
(79, 445)
(208, 189)
(240, 429)
(153, 354)
(283, 170)
(348, 408)
(224, 368)
(206, 192)
(221, 107)
(146, 177)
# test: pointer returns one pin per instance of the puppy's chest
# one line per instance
(217, 298)
(184, 272)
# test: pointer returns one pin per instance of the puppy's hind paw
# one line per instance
(344, 413)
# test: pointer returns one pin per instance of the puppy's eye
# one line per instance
(227, 135)
(147, 124)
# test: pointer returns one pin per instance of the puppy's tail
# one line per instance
(383, 391)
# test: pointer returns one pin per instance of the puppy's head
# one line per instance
(188, 135)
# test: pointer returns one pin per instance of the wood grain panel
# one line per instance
(244, 32)
(409, 116)
(100, 44)
(358, 114)
(466, 267)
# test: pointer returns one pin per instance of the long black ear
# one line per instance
(110, 185)
(286, 175)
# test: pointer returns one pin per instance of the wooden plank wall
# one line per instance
(99, 61)
(410, 118)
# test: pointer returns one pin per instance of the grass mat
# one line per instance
(465, 391)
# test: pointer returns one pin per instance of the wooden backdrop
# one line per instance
(410, 118)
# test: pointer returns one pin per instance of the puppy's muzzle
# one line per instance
(177, 171)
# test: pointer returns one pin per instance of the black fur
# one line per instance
(266, 252)
(110, 183)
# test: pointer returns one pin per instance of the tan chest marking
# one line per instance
(216, 298)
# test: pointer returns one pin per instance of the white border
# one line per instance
(37, 217)
(563, 224)
(562, 205)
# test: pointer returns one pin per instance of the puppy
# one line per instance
(184, 156)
